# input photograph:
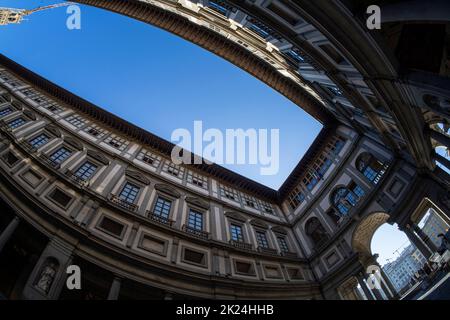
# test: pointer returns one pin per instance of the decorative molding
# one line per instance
(74, 143)
(98, 156)
(279, 229)
(29, 114)
(137, 176)
(197, 202)
(259, 223)
(236, 216)
(168, 190)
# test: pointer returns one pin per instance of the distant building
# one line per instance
(434, 226)
(401, 270)
(8, 16)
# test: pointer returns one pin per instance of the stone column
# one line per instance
(376, 292)
(114, 291)
(424, 238)
(390, 286)
(418, 243)
(8, 232)
(364, 287)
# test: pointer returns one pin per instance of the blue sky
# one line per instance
(155, 79)
(161, 82)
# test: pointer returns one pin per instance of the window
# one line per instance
(250, 201)
(219, 6)
(129, 193)
(95, 131)
(76, 120)
(16, 123)
(370, 167)
(197, 179)
(267, 207)
(39, 140)
(283, 244)
(149, 158)
(295, 55)
(162, 207)
(261, 239)
(5, 111)
(195, 220)
(116, 142)
(60, 155)
(86, 170)
(296, 197)
(317, 170)
(229, 193)
(345, 198)
(261, 29)
(54, 108)
(236, 233)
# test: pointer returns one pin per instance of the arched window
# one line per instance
(346, 197)
(316, 231)
(370, 167)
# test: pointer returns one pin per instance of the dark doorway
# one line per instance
(19, 256)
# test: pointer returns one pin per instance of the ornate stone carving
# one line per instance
(47, 274)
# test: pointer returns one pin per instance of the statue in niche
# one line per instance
(47, 275)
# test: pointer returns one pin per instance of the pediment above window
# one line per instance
(137, 176)
(279, 229)
(29, 114)
(98, 156)
(259, 223)
(74, 143)
(235, 216)
(53, 130)
(197, 202)
(168, 190)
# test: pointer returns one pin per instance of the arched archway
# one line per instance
(362, 244)
(363, 234)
